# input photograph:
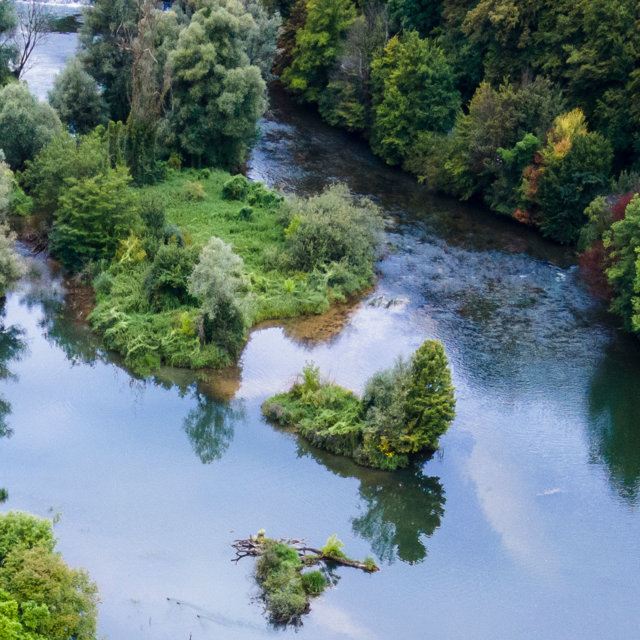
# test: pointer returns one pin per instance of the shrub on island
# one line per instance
(402, 414)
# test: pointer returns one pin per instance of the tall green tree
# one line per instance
(93, 215)
(77, 98)
(413, 92)
(26, 125)
(318, 45)
(218, 96)
(105, 49)
(623, 241)
(8, 22)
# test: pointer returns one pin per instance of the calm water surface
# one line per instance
(525, 525)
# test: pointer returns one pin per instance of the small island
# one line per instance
(285, 576)
(401, 416)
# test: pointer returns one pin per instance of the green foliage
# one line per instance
(26, 125)
(347, 99)
(422, 16)
(403, 413)
(65, 158)
(105, 52)
(334, 228)
(411, 71)
(41, 598)
(195, 191)
(216, 282)
(623, 273)
(333, 547)
(235, 188)
(12, 267)
(167, 280)
(8, 22)
(570, 183)
(313, 583)
(77, 98)
(260, 39)
(94, 214)
(218, 95)
(317, 46)
(278, 572)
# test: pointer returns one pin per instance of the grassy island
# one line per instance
(402, 414)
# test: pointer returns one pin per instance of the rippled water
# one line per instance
(525, 525)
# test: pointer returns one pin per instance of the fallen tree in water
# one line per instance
(286, 587)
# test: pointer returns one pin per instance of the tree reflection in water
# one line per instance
(614, 407)
(400, 509)
(12, 346)
(211, 425)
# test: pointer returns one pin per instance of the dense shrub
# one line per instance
(77, 98)
(26, 125)
(167, 282)
(334, 228)
(235, 188)
(93, 215)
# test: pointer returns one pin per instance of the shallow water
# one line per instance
(524, 525)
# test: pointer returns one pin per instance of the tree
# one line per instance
(261, 38)
(32, 29)
(8, 22)
(38, 578)
(318, 45)
(26, 125)
(216, 281)
(77, 98)
(11, 265)
(347, 99)
(570, 181)
(105, 50)
(218, 96)
(334, 228)
(623, 273)
(65, 157)
(93, 215)
(413, 92)
(430, 404)
(422, 16)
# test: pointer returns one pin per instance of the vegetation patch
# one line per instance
(41, 598)
(286, 575)
(402, 414)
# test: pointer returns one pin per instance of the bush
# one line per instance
(94, 214)
(26, 124)
(314, 583)
(235, 188)
(334, 227)
(167, 283)
(195, 191)
(77, 98)
(216, 282)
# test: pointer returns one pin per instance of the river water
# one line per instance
(524, 525)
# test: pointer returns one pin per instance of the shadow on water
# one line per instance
(398, 509)
(614, 407)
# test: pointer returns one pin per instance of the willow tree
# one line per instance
(218, 96)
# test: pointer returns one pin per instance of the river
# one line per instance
(525, 525)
